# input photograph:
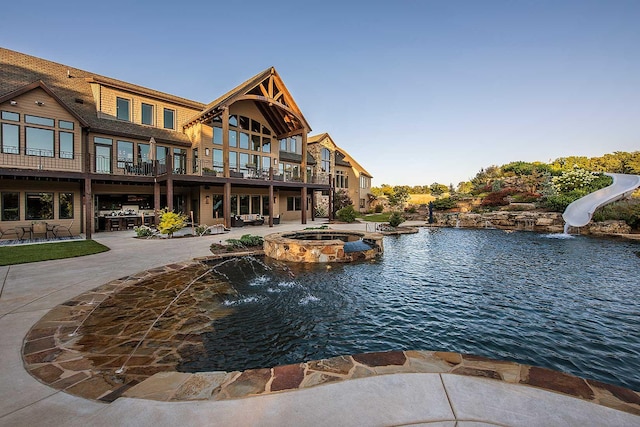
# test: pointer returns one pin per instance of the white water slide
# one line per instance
(578, 213)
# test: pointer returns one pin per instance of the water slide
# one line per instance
(578, 213)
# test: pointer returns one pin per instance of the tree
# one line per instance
(399, 196)
(438, 189)
(340, 200)
(465, 187)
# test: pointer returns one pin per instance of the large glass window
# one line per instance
(294, 203)
(244, 162)
(255, 204)
(233, 138)
(39, 206)
(161, 154)
(10, 138)
(233, 120)
(283, 144)
(255, 126)
(266, 145)
(143, 153)
(65, 210)
(39, 142)
(180, 160)
(125, 154)
(341, 180)
(147, 114)
(244, 140)
(123, 109)
(218, 160)
(218, 206)
(265, 205)
(234, 204)
(169, 119)
(233, 160)
(66, 145)
(35, 120)
(10, 206)
(217, 135)
(255, 142)
(244, 122)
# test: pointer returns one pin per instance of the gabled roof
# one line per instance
(72, 88)
(40, 84)
(342, 157)
(353, 163)
(317, 138)
(271, 97)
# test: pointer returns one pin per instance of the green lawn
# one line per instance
(380, 217)
(31, 253)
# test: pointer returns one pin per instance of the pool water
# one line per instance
(571, 305)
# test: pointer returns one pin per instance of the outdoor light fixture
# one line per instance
(39, 103)
(206, 200)
(12, 102)
(206, 151)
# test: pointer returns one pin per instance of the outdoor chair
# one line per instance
(114, 224)
(64, 228)
(8, 231)
(40, 228)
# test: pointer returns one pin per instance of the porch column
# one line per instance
(226, 204)
(313, 205)
(303, 201)
(170, 193)
(271, 203)
(88, 208)
(331, 218)
(156, 201)
(303, 165)
(225, 144)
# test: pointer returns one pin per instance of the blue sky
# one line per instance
(416, 91)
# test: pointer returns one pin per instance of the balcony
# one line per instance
(40, 160)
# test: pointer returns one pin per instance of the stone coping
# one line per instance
(50, 356)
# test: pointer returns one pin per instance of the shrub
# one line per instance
(143, 231)
(411, 209)
(498, 198)
(379, 209)
(396, 219)
(627, 211)
(170, 222)
(245, 241)
(347, 214)
(341, 200)
(526, 197)
(444, 204)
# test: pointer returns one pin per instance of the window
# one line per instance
(39, 206)
(255, 204)
(147, 114)
(66, 145)
(244, 122)
(233, 120)
(10, 141)
(161, 154)
(10, 207)
(39, 142)
(169, 119)
(341, 180)
(266, 145)
(125, 154)
(293, 146)
(218, 206)
(143, 153)
(233, 160)
(255, 126)
(244, 205)
(218, 160)
(255, 142)
(325, 163)
(65, 210)
(103, 154)
(122, 109)
(62, 124)
(265, 205)
(179, 161)
(244, 162)
(362, 203)
(233, 138)
(217, 135)
(244, 140)
(294, 203)
(35, 120)
(283, 144)
(365, 181)
(8, 115)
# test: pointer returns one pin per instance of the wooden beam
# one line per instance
(271, 87)
(226, 204)
(225, 142)
(263, 90)
(88, 208)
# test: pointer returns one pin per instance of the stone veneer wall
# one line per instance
(544, 222)
(283, 248)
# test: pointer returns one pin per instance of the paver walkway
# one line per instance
(28, 292)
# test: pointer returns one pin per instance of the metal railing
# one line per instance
(40, 160)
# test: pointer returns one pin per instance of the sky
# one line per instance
(416, 91)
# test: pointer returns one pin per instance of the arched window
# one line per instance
(326, 160)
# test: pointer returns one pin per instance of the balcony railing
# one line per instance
(40, 160)
(183, 165)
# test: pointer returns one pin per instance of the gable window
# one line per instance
(42, 121)
(66, 145)
(63, 124)
(8, 115)
(169, 118)
(10, 139)
(147, 114)
(123, 109)
(39, 142)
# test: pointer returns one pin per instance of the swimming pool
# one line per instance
(566, 304)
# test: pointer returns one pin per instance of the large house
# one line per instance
(83, 150)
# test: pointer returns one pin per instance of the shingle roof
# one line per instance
(340, 160)
(72, 86)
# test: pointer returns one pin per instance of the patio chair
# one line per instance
(8, 231)
(63, 228)
(39, 228)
